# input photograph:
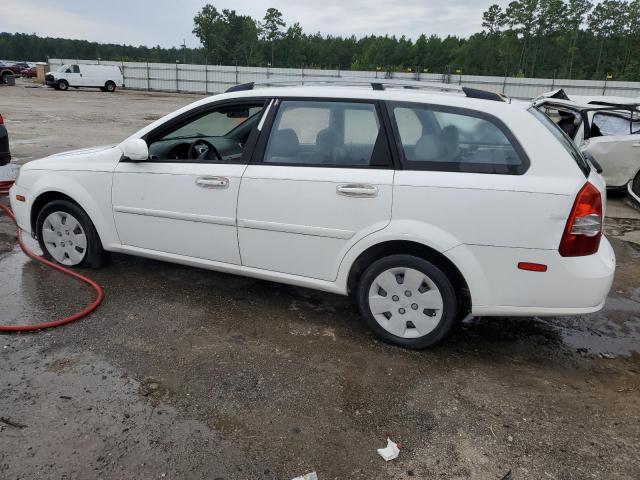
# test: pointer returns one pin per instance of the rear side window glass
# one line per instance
(609, 124)
(456, 140)
(341, 134)
(567, 120)
(562, 137)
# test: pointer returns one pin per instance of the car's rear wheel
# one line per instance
(63, 85)
(110, 87)
(67, 235)
(407, 301)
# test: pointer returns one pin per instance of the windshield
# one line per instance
(62, 68)
(562, 137)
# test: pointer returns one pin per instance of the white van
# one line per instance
(104, 77)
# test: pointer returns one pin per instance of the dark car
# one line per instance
(5, 154)
(29, 72)
(5, 72)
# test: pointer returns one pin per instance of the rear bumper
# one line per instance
(570, 286)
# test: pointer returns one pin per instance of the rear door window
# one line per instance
(456, 140)
(327, 133)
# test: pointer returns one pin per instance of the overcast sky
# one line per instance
(167, 22)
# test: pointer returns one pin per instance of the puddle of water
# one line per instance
(33, 293)
(615, 330)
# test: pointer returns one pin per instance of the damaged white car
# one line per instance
(605, 128)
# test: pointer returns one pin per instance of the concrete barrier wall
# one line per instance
(217, 78)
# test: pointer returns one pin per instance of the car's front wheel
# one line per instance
(635, 185)
(63, 85)
(407, 301)
(67, 235)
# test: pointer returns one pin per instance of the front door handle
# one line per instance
(359, 190)
(212, 182)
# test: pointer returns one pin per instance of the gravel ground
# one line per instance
(185, 373)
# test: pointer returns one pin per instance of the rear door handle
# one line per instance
(357, 190)
(212, 182)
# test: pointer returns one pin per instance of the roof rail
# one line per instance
(375, 83)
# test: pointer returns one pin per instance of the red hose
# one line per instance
(71, 273)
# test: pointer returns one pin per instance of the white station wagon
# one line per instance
(423, 205)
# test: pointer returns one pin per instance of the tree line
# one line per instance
(576, 39)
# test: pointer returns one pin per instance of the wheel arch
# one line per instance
(49, 195)
(41, 200)
(409, 247)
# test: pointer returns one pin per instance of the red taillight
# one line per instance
(583, 231)
(1, 119)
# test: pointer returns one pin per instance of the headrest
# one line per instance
(327, 138)
(285, 143)
(429, 148)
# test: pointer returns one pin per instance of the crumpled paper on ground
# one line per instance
(390, 452)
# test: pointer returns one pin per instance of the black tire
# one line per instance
(450, 308)
(94, 255)
(635, 186)
(3, 79)
(63, 85)
(110, 86)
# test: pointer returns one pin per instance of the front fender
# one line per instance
(90, 190)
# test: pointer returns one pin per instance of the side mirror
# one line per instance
(135, 149)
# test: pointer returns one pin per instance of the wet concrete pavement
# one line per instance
(186, 373)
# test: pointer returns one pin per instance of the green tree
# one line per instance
(211, 29)
(272, 25)
(494, 19)
(606, 20)
(521, 16)
(577, 11)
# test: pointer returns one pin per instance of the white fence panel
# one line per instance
(217, 78)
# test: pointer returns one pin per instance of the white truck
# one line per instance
(105, 77)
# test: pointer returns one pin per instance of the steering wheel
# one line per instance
(203, 150)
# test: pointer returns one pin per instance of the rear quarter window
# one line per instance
(442, 138)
